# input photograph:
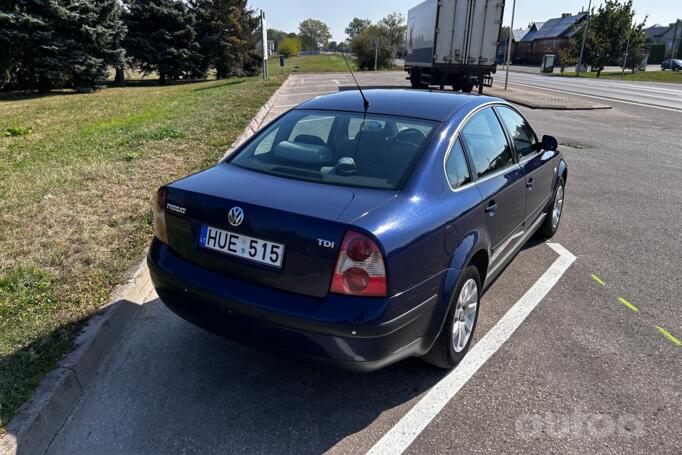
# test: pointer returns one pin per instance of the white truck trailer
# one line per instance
(454, 43)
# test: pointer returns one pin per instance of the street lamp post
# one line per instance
(264, 37)
(582, 46)
(625, 58)
(509, 43)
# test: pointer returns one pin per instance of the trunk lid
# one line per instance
(309, 219)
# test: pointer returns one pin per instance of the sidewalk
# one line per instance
(535, 69)
(543, 99)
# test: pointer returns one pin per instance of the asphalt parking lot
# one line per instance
(587, 371)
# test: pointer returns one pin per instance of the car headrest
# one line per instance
(303, 153)
(309, 139)
(411, 135)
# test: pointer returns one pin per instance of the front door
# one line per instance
(536, 164)
(499, 180)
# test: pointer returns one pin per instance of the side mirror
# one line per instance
(549, 143)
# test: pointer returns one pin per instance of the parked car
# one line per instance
(358, 236)
(671, 64)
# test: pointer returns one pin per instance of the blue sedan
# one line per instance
(358, 234)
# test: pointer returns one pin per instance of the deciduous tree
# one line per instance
(289, 47)
(608, 33)
(314, 34)
(357, 26)
(395, 27)
(373, 42)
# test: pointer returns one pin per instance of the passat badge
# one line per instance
(235, 216)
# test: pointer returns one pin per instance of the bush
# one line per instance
(289, 47)
(365, 45)
(15, 131)
(656, 53)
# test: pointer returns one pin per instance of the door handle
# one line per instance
(529, 183)
(490, 210)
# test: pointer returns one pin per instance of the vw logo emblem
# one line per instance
(235, 216)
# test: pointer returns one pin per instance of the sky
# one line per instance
(287, 14)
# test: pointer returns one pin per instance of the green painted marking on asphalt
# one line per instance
(598, 280)
(669, 336)
(628, 304)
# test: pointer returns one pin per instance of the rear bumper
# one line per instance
(346, 332)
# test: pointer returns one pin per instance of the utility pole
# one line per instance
(509, 43)
(672, 56)
(582, 46)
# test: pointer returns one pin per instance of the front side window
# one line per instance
(340, 148)
(487, 144)
(522, 134)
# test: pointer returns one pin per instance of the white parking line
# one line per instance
(415, 421)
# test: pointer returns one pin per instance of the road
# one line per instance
(646, 93)
(583, 373)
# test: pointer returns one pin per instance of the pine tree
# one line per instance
(161, 38)
(226, 35)
(50, 44)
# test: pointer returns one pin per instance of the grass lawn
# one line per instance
(323, 63)
(649, 76)
(77, 174)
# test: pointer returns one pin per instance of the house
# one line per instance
(548, 37)
(517, 35)
(667, 35)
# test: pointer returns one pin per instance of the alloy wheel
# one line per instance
(558, 206)
(465, 315)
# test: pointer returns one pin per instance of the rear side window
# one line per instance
(521, 132)
(339, 148)
(456, 166)
(487, 144)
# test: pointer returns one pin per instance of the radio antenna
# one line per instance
(365, 101)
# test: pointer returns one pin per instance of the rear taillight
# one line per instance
(359, 268)
(160, 215)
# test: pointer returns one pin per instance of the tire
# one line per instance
(553, 218)
(415, 80)
(448, 349)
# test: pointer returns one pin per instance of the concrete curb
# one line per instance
(42, 416)
(555, 107)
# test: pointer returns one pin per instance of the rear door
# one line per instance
(499, 179)
(537, 164)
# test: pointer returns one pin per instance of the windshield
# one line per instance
(340, 148)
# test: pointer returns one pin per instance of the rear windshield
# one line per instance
(339, 148)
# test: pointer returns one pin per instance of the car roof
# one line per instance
(437, 106)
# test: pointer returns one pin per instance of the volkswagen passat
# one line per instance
(358, 235)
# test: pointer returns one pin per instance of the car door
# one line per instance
(499, 179)
(537, 164)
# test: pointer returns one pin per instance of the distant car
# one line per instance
(671, 64)
(358, 237)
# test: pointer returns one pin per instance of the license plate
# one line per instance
(242, 246)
